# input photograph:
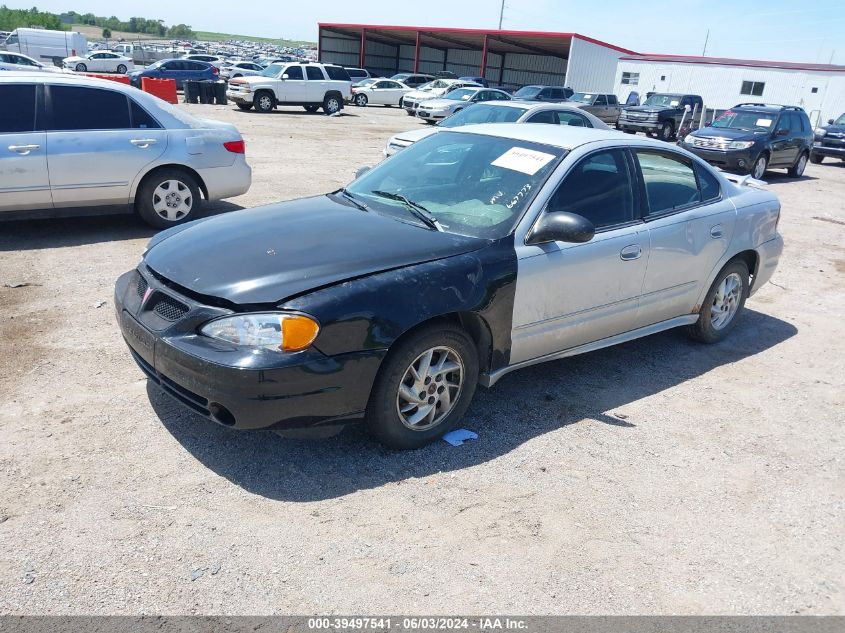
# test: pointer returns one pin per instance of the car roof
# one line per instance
(563, 136)
(771, 108)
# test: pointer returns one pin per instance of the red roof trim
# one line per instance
(376, 27)
(727, 61)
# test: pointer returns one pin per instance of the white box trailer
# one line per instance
(47, 46)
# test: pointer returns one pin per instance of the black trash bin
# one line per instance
(206, 91)
(220, 93)
(191, 91)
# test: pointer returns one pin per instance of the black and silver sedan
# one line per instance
(471, 253)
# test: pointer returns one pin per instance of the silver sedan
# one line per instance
(110, 147)
(456, 100)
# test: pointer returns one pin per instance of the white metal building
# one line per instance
(505, 58)
(723, 82)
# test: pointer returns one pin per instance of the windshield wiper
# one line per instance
(417, 209)
(348, 196)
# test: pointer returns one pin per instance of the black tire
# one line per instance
(264, 101)
(147, 198)
(704, 329)
(121, 69)
(244, 106)
(383, 414)
(666, 131)
(81, 68)
(311, 108)
(816, 159)
(332, 104)
(410, 112)
(360, 100)
(797, 170)
(759, 166)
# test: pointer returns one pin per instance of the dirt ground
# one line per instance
(660, 476)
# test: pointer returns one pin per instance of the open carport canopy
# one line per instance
(473, 51)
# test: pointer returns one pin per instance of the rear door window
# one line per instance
(670, 182)
(21, 117)
(572, 118)
(76, 108)
(314, 73)
(336, 73)
(601, 100)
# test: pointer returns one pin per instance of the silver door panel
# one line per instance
(24, 179)
(684, 249)
(571, 294)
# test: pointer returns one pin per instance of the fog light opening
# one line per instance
(740, 162)
(221, 414)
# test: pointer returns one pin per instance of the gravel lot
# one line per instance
(660, 476)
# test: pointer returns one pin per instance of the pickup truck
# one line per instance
(310, 85)
(602, 105)
(661, 114)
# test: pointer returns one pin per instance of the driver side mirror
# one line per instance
(561, 226)
(361, 171)
(782, 132)
(830, 121)
(285, 76)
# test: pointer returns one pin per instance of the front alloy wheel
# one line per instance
(430, 387)
(81, 68)
(360, 100)
(759, 169)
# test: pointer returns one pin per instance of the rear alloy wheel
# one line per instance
(81, 68)
(168, 198)
(759, 168)
(797, 170)
(121, 69)
(264, 102)
(424, 387)
(332, 104)
(723, 303)
(667, 131)
(360, 100)
(816, 159)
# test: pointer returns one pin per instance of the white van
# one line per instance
(47, 46)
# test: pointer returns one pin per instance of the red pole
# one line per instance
(417, 55)
(484, 57)
(363, 48)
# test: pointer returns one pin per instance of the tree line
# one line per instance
(11, 19)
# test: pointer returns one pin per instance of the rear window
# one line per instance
(21, 117)
(337, 73)
(88, 109)
(356, 72)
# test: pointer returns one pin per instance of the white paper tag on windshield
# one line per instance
(674, 104)
(764, 122)
(528, 161)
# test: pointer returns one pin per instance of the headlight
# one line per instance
(740, 144)
(279, 332)
(820, 132)
(688, 139)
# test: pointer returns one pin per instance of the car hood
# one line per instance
(731, 134)
(444, 103)
(75, 59)
(424, 94)
(834, 129)
(268, 254)
(415, 135)
(649, 109)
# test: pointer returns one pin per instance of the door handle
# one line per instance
(143, 142)
(716, 231)
(23, 149)
(631, 252)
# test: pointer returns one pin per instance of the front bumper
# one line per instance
(639, 126)
(769, 253)
(735, 160)
(239, 97)
(234, 386)
(432, 115)
(829, 151)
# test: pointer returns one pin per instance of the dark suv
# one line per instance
(661, 114)
(752, 137)
(549, 94)
(829, 141)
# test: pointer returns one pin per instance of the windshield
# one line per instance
(400, 77)
(273, 70)
(666, 101)
(840, 120)
(481, 113)
(365, 82)
(583, 97)
(461, 94)
(528, 92)
(470, 183)
(734, 120)
(157, 64)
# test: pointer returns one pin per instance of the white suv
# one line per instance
(310, 85)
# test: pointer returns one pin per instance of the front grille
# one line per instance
(141, 285)
(710, 142)
(169, 308)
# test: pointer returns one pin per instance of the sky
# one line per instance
(779, 30)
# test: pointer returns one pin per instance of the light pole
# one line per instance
(501, 14)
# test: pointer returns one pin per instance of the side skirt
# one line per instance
(491, 378)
